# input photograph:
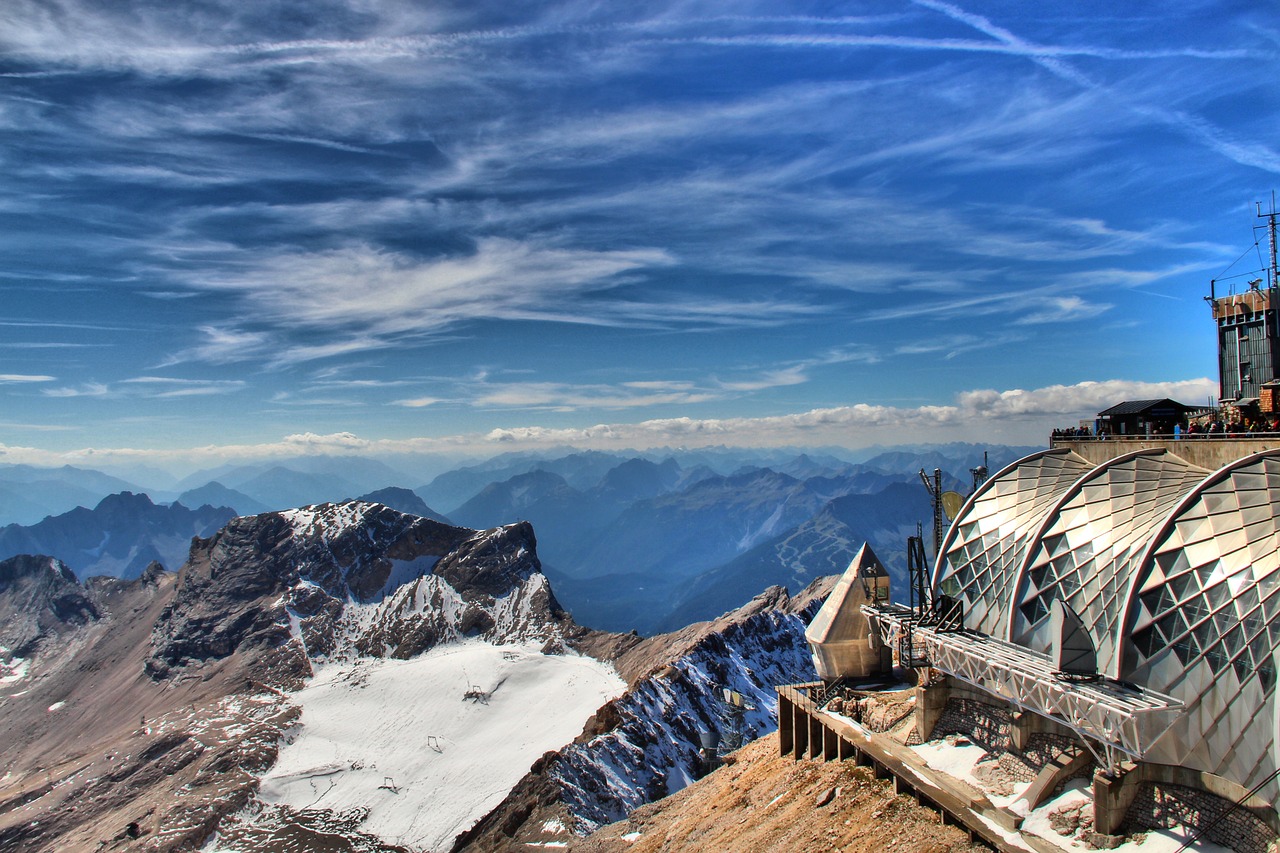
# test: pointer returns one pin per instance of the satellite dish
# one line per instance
(951, 503)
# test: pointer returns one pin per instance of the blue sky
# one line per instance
(234, 228)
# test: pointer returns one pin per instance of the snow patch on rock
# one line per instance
(430, 745)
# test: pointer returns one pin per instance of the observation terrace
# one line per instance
(1211, 451)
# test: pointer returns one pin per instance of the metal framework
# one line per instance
(1114, 719)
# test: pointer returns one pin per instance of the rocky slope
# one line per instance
(645, 745)
(99, 756)
(762, 802)
(145, 710)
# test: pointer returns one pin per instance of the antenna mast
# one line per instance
(1273, 278)
(934, 487)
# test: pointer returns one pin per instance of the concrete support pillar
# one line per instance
(931, 699)
(1021, 726)
(815, 737)
(846, 750)
(830, 744)
(1112, 796)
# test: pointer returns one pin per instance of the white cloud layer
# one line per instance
(1015, 416)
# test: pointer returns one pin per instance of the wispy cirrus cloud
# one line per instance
(418, 402)
(564, 398)
(1028, 306)
(149, 387)
(365, 298)
(86, 389)
(483, 392)
(1217, 139)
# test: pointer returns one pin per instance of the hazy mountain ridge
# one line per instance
(216, 494)
(705, 543)
(822, 545)
(29, 494)
(119, 537)
(55, 490)
(638, 541)
(403, 500)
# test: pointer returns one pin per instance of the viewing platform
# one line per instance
(1210, 451)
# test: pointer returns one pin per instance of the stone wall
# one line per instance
(1025, 765)
(986, 725)
(990, 727)
(1160, 805)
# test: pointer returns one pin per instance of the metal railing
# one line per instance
(1273, 435)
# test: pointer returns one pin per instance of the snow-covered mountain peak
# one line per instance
(354, 578)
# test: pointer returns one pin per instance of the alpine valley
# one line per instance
(365, 674)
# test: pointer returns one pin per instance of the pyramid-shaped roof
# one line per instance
(840, 618)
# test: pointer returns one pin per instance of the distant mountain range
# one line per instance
(641, 542)
(28, 494)
(653, 544)
(119, 537)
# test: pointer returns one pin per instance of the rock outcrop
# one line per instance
(354, 576)
(39, 599)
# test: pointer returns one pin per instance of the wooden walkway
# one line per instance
(804, 731)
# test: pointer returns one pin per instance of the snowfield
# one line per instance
(432, 744)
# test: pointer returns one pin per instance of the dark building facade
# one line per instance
(1248, 341)
(1143, 417)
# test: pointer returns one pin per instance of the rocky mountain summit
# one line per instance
(354, 577)
(168, 710)
(146, 709)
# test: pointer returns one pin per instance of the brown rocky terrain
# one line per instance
(99, 756)
(760, 801)
(138, 714)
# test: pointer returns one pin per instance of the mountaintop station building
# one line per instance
(1129, 606)
(1109, 605)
